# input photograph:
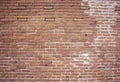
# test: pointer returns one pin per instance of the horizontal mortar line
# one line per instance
(44, 3)
(18, 51)
(52, 15)
(74, 17)
(44, 28)
(65, 16)
(65, 32)
(40, 13)
(42, 7)
(57, 16)
(57, 49)
(56, 21)
(51, 30)
(27, 11)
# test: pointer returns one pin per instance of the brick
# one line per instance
(59, 41)
(49, 19)
(48, 7)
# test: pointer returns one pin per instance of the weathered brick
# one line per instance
(59, 41)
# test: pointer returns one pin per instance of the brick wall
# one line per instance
(59, 41)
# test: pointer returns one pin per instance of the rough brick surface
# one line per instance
(59, 41)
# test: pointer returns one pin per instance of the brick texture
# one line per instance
(59, 41)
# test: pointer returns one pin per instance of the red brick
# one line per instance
(59, 41)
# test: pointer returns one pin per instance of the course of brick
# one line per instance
(59, 40)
